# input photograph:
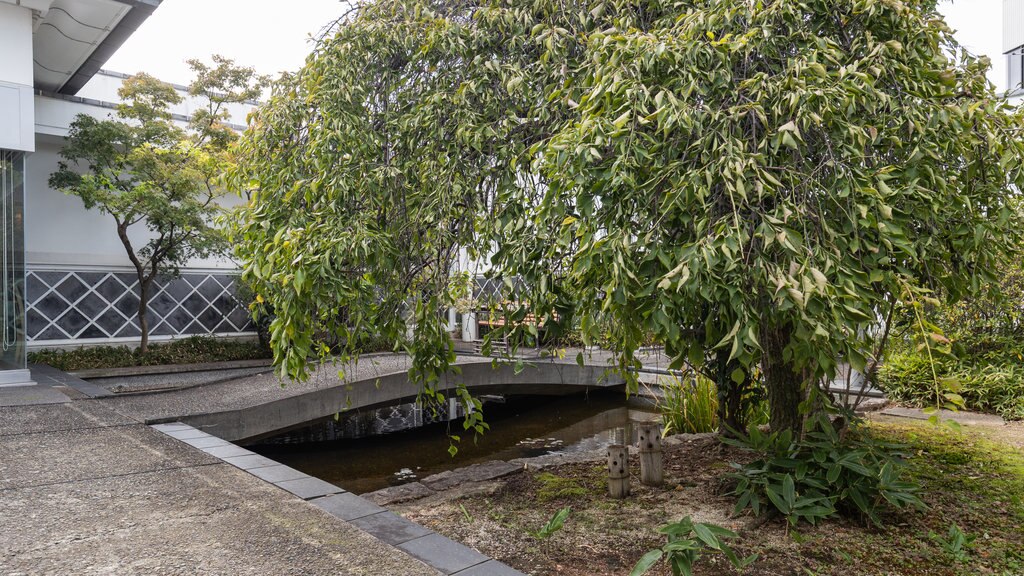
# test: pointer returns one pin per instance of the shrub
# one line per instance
(820, 475)
(195, 349)
(690, 405)
(981, 362)
(991, 379)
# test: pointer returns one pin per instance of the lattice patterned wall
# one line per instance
(81, 306)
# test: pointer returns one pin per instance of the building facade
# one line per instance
(1013, 46)
(65, 276)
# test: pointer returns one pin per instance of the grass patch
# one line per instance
(972, 485)
(193, 350)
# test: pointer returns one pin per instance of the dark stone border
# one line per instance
(46, 374)
(171, 368)
(431, 548)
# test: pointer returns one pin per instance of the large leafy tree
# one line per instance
(146, 170)
(755, 182)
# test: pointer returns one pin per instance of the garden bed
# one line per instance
(968, 480)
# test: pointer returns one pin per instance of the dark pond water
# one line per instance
(520, 427)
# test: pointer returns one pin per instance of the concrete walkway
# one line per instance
(86, 487)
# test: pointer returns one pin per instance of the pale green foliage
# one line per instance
(145, 171)
(553, 525)
(690, 405)
(730, 175)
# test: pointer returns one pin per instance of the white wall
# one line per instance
(105, 84)
(16, 107)
(1013, 24)
(61, 234)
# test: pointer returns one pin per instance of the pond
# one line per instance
(521, 427)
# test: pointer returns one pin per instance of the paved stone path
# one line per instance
(87, 488)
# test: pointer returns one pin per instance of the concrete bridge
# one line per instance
(251, 408)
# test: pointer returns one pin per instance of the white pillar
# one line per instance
(469, 327)
(17, 106)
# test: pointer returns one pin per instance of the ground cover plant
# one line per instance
(193, 350)
(972, 479)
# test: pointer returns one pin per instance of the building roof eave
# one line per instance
(139, 12)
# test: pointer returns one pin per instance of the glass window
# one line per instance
(12, 261)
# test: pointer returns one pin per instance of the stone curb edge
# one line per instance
(438, 552)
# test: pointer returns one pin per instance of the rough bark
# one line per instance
(785, 385)
(143, 320)
(730, 399)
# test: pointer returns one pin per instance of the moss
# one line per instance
(558, 488)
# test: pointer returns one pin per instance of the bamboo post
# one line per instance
(618, 471)
(651, 472)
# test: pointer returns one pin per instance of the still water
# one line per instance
(520, 427)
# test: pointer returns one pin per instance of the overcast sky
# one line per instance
(273, 36)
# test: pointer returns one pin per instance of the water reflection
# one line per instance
(521, 427)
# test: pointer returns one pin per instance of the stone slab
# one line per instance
(442, 553)
(186, 433)
(226, 451)
(55, 417)
(203, 520)
(400, 493)
(308, 487)
(490, 568)
(205, 442)
(278, 473)
(68, 456)
(474, 473)
(347, 506)
(250, 461)
(172, 426)
(390, 527)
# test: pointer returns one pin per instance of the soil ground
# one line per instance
(973, 478)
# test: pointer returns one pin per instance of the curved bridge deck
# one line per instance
(250, 408)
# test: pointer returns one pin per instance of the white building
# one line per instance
(1013, 46)
(65, 276)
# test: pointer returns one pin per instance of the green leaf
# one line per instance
(647, 561)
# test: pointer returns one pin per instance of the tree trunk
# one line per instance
(784, 385)
(730, 398)
(144, 286)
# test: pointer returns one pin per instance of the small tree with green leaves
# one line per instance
(146, 171)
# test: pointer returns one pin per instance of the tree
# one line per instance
(144, 170)
(755, 182)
